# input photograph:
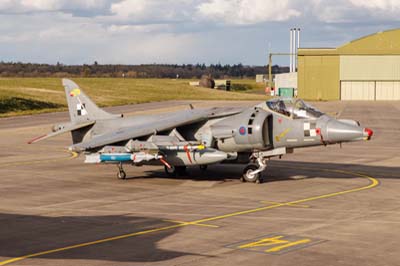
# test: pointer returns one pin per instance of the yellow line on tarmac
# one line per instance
(288, 245)
(191, 223)
(373, 183)
(72, 156)
(90, 243)
(288, 204)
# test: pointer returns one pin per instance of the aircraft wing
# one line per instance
(219, 112)
(166, 122)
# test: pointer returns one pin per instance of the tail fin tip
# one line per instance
(81, 107)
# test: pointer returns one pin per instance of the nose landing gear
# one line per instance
(252, 172)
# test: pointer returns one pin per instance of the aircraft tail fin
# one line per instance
(81, 107)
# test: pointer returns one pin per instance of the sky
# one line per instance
(181, 31)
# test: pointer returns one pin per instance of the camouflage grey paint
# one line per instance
(201, 136)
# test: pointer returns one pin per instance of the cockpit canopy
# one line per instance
(295, 108)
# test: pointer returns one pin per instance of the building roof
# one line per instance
(380, 43)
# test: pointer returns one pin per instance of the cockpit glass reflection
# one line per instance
(295, 108)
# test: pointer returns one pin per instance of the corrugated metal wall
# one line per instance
(370, 77)
(357, 90)
(388, 90)
(370, 90)
(318, 76)
(354, 70)
(372, 67)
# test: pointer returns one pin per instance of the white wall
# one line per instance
(369, 67)
(286, 80)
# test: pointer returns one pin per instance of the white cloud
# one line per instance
(129, 8)
(153, 10)
(386, 5)
(355, 11)
(177, 31)
(31, 6)
(131, 29)
(247, 11)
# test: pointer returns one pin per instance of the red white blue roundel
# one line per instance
(242, 130)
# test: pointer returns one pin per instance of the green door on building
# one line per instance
(286, 92)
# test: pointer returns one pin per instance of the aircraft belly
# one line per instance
(199, 157)
(230, 145)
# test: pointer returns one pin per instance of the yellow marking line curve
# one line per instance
(72, 156)
(373, 183)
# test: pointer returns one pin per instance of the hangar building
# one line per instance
(364, 69)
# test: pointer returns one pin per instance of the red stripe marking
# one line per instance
(185, 148)
(35, 139)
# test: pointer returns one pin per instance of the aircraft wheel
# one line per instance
(248, 175)
(175, 171)
(121, 175)
(170, 171)
(203, 167)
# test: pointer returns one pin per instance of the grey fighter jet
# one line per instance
(199, 137)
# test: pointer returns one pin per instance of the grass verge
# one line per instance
(20, 96)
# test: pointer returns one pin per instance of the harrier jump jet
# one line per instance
(199, 137)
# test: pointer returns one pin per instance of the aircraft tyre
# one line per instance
(170, 171)
(175, 170)
(121, 175)
(248, 175)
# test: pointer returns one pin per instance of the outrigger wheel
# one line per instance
(121, 173)
(249, 176)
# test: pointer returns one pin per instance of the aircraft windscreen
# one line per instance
(304, 110)
(294, 108)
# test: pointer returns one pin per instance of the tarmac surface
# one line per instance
(318, 206)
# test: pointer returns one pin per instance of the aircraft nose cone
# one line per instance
(368, 133)
(338, 131)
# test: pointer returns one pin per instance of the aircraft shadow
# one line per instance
(281, 170)
(26, 234)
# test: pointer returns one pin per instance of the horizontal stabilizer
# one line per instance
(64, 129)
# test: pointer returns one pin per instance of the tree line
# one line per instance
(18, 69)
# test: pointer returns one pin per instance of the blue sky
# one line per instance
(181, 31)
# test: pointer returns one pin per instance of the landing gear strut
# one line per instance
(252, 172)
(121, 173)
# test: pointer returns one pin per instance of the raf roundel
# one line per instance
(242, 130)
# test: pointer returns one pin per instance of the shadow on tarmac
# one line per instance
(26, 234)
(279, 170)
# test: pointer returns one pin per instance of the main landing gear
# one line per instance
(174, 171)
(121, 173)
(252, 172)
